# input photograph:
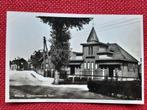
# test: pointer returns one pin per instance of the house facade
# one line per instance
(100, 60)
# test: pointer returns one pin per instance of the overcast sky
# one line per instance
(25, 32)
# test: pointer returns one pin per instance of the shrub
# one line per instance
(129, 89)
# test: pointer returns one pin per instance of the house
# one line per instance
(19, 64)
(103, 60)
(97, 61)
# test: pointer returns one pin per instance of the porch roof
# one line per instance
(114, 60)
(113, 63)
(75, 62)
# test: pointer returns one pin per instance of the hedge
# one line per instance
(125, 89)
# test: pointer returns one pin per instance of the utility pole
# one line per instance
(45, 57)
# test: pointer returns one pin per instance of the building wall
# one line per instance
(13, 67)
(129, 70)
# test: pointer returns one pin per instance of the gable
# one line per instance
(120, 53)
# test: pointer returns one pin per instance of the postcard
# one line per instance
(82, 58)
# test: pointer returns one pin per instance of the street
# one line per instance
(30, 85)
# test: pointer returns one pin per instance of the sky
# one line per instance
(25, 32)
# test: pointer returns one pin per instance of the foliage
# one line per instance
(65, 21)
(127, 89)
(60, 46)
(36, 59)
(20, 62)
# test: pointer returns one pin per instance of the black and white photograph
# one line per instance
(82, 58)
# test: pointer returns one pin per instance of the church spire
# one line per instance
(93, 36)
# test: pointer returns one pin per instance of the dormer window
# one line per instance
(111, 50)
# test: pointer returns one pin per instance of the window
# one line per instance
(84, 65)
(46, 65)
(130, 67)
(96, 66)
(90, 50)
(88, 65)
(92, 65)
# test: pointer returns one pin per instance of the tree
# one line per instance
(60, 46)
(21, 63)
(36, 59)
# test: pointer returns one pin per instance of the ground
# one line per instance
(29, 85)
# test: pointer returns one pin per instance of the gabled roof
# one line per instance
(116, 52)
(93, 36)
(120, 54)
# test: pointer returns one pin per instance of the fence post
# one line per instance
(56, 77)
(52, 73)
(73, 79)
(92, 74)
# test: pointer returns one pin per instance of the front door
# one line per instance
(72, 70)
(111, 74)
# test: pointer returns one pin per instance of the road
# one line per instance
(29, 85)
